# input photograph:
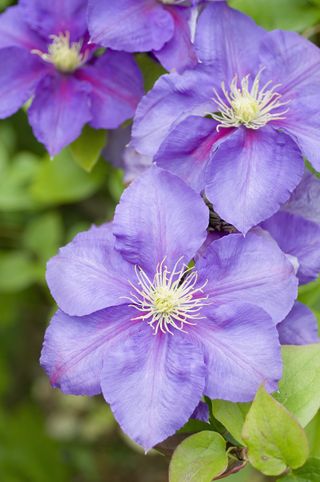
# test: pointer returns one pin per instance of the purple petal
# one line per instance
(179, 53)
(153, 220)
(59, 111)
(19, 77)
(123, 156)
(249, 270)
(56, 16)
(173, 98)
(228, 40)
(299, 238)
(188, 149)
(304, 200)
(292, 61)
(15, 32)
(117, 87)
(201, 412)
(130, 25)
(252, 174)
(88, 274)
(303, 127)
(75, 348)
(153, 384)
(299, 328)
(242, 351)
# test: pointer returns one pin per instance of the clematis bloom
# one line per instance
(160, 26)
(151, 333)
(44, 47)
(238, 125)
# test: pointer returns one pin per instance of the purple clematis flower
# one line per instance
(161, 26)
(238, 125)
(44, 47)
(136, 322)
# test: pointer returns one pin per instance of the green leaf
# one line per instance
(231, 415)
(285, 14)
(87, 148)
(150, 69)
(274, 438)
(199, 458)
(17, 269)
(310, 472)
(299, 388)
(313, 434)
(62, 181)
(15, 180)
(43, 235)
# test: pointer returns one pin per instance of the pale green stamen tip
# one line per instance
(171, 300)
(65, 55)
(250, 106)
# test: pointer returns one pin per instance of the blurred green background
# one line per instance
(44, 435)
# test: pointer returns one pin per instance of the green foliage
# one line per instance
(299, 388)
(310, 472)
(274, 438)
(284, 14)
(17, 271)
(61, 181)
(231, 415)
(199, 458)
(87, 148)
(26, 453)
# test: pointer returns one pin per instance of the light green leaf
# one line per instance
(310, 472)
(231, 415)
(199, 458)
(18, 271)
(285, 14)
(43, 235)
(62, 181)
(87, 148)
(274, 438)
(313, 434)
(15, 180)
(150, 69)
(299, 388)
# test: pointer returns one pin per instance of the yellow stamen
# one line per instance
(66, 56)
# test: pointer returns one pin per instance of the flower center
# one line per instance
(249, 105)
(169, 301)
(66, 56)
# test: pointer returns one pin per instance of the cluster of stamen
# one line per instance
(252, 107)
(65, 55)
(171, 300)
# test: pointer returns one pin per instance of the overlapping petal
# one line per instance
(19, 78)
(56, 16)
(59, 111)
(188, 149)
(242, 352)
(153, 221)
(299, 328)
(89, 275)
(304, 200)
(249, 270)
(153, 384)
(252, 174)
(173, 98)
(75, 348)
(130, 25)
(179, 52)
(116, 88)
(300, 238)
